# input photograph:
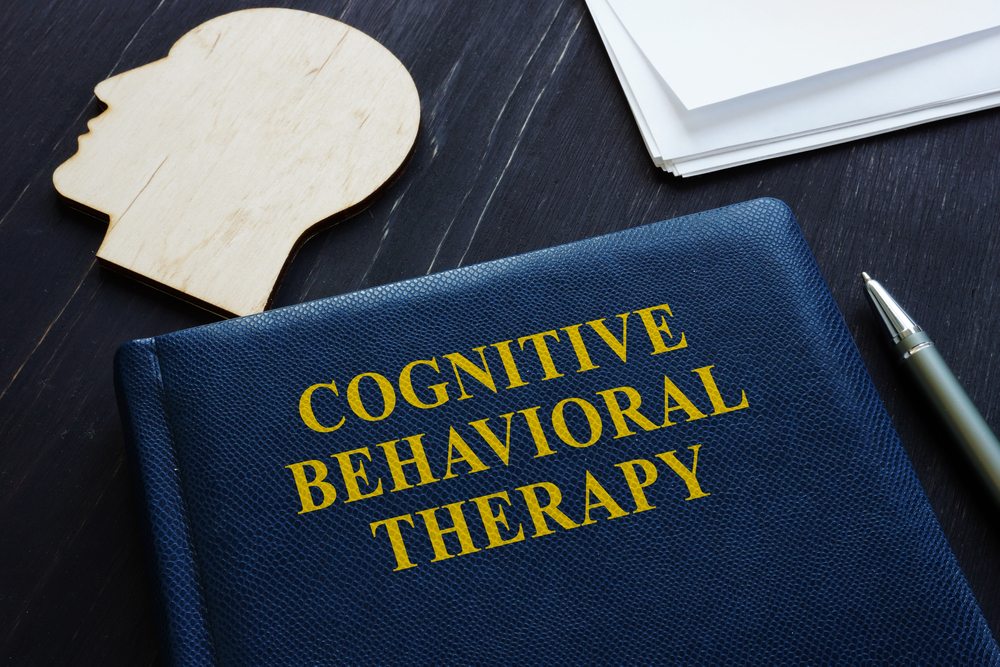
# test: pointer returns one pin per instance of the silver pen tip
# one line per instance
(898, 324)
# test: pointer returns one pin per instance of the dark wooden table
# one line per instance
(526, 142)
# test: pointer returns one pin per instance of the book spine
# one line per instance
(185, 638)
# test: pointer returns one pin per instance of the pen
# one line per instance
(917, 353)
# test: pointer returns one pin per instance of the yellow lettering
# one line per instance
(396, 466)
(606, 501)
(306, 410)
(436, 533)
(388, 397)
(618, 347)
(694, 489)
(538, 512)
(502, 450)
(398, 548)
(406, 386)
(467, 455)
(670, 390)
(654, 330)
(543, 352)
(635, 486)
(713, 392)
(491, 520)
(509, 366)
(632, 411)
(537, 434)
(559, 422)
(578, 346)
(304, 486)
(483, 374)
(351, 475)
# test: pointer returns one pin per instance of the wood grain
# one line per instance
(526, 142)
(212, 163)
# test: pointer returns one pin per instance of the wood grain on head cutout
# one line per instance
(212, 163)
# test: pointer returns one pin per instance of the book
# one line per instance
(654, 446)
(711, 85)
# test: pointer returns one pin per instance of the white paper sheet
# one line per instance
(831, 102)
(714, 50)
(782, 147)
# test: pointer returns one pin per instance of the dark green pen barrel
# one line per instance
(957, 411)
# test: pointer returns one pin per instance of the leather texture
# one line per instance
(816, 544)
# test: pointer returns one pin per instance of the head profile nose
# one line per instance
(105, 89)
(123, 83)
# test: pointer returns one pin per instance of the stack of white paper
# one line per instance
(719, 83)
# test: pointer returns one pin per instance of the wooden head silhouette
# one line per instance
(213, 163)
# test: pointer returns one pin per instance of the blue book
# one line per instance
(655, 446)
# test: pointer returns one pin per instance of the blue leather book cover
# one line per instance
(655, 446)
